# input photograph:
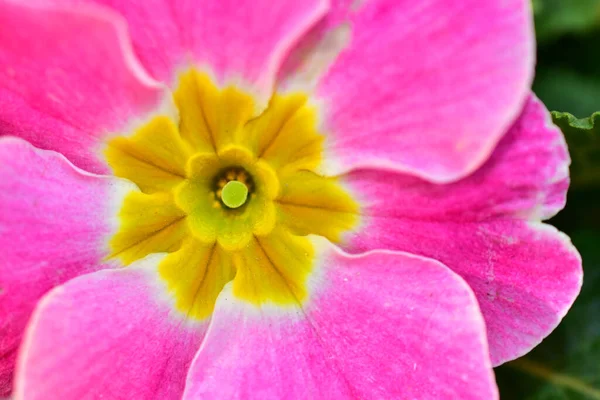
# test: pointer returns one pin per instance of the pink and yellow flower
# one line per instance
(274, 199)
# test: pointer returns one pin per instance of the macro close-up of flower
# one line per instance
(252, 199)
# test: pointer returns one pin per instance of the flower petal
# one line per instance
(195, 274)
(245, 40)
(154, 158)
(274, 269)
(434, 93)
(234, 40)
(153, 29)
(69, 77)
(149, 223)
(55, 222)
(526, 177)
(309, 203)
(525, 274)
(110, 334)
(383, 325)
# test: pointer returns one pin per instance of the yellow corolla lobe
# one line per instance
(229, 196)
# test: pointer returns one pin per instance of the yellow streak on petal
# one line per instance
(196, 274)
(211, 118)
(150, 223)
(286, 135)
(154, 158)
(274, 269)
(312, 204)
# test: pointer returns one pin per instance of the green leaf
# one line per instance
(567, 364)
(568, 74)
(583, 138)
(558, 17)
(569, 90)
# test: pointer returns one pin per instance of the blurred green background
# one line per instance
(567, 364)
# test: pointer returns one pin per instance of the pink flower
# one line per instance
(382, 236)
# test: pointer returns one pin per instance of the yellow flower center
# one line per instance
(230, 196)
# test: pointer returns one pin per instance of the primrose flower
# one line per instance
(269, 199)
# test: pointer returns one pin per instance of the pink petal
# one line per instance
(426, 87)
(68, 78)
(153, 29)
(110, 335)
(525, 274)
(235, 40)
(245, 40)
(319, 47)
(54, 220)
(382, 325)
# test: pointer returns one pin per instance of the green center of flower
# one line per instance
(234, 194)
